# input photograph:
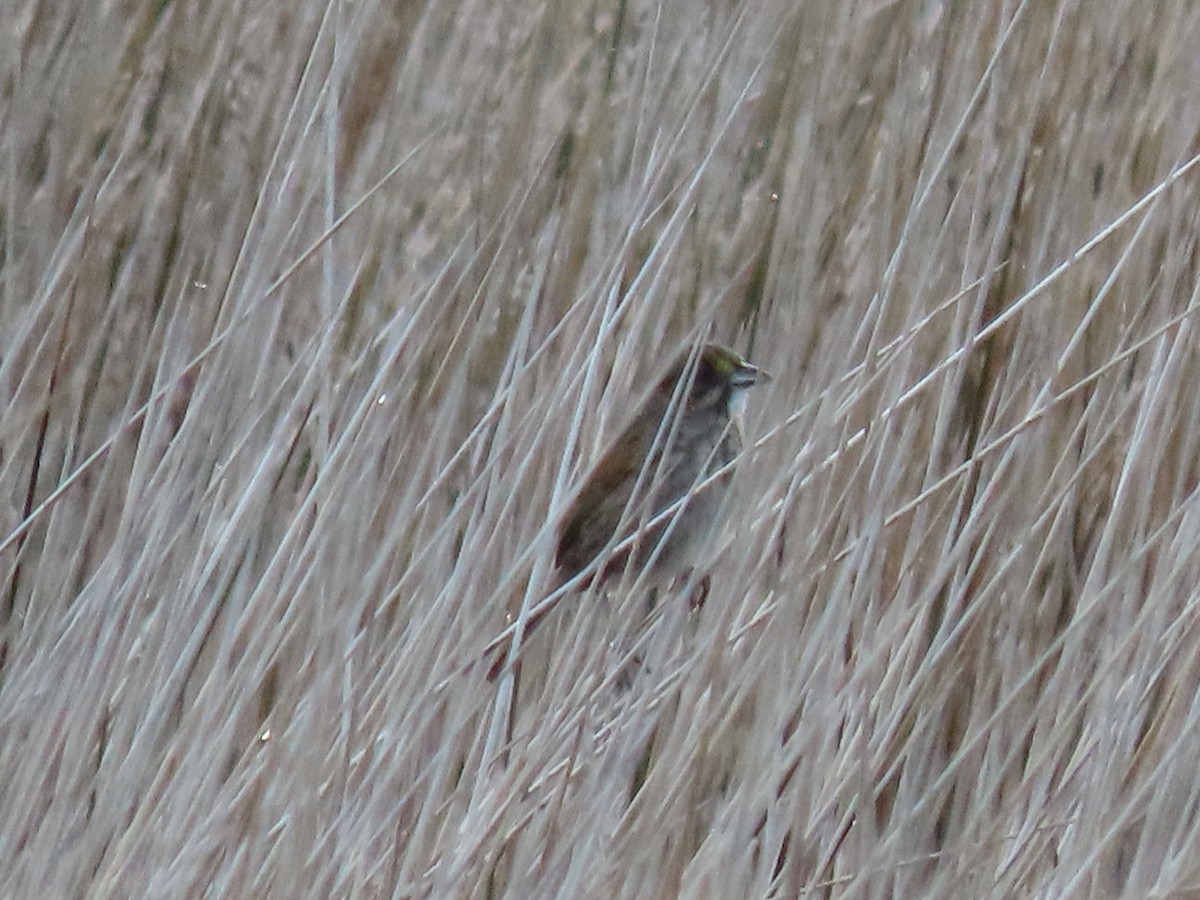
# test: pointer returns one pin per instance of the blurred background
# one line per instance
(313, 314)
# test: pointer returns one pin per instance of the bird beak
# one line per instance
(746, 375)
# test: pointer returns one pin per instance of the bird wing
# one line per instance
(595, 514)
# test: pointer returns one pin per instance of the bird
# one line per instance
(648, 505)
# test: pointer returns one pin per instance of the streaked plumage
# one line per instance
(702, 436)
(686, 429)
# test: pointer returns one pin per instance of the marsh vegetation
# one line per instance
(311, 315)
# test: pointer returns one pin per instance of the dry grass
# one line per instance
(312, 315)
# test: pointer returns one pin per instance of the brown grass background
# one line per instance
(311, 316)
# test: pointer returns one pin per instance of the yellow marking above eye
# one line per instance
(724, 361)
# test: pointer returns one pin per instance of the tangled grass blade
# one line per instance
(314, 315)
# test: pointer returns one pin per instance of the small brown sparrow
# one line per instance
(644, 505)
